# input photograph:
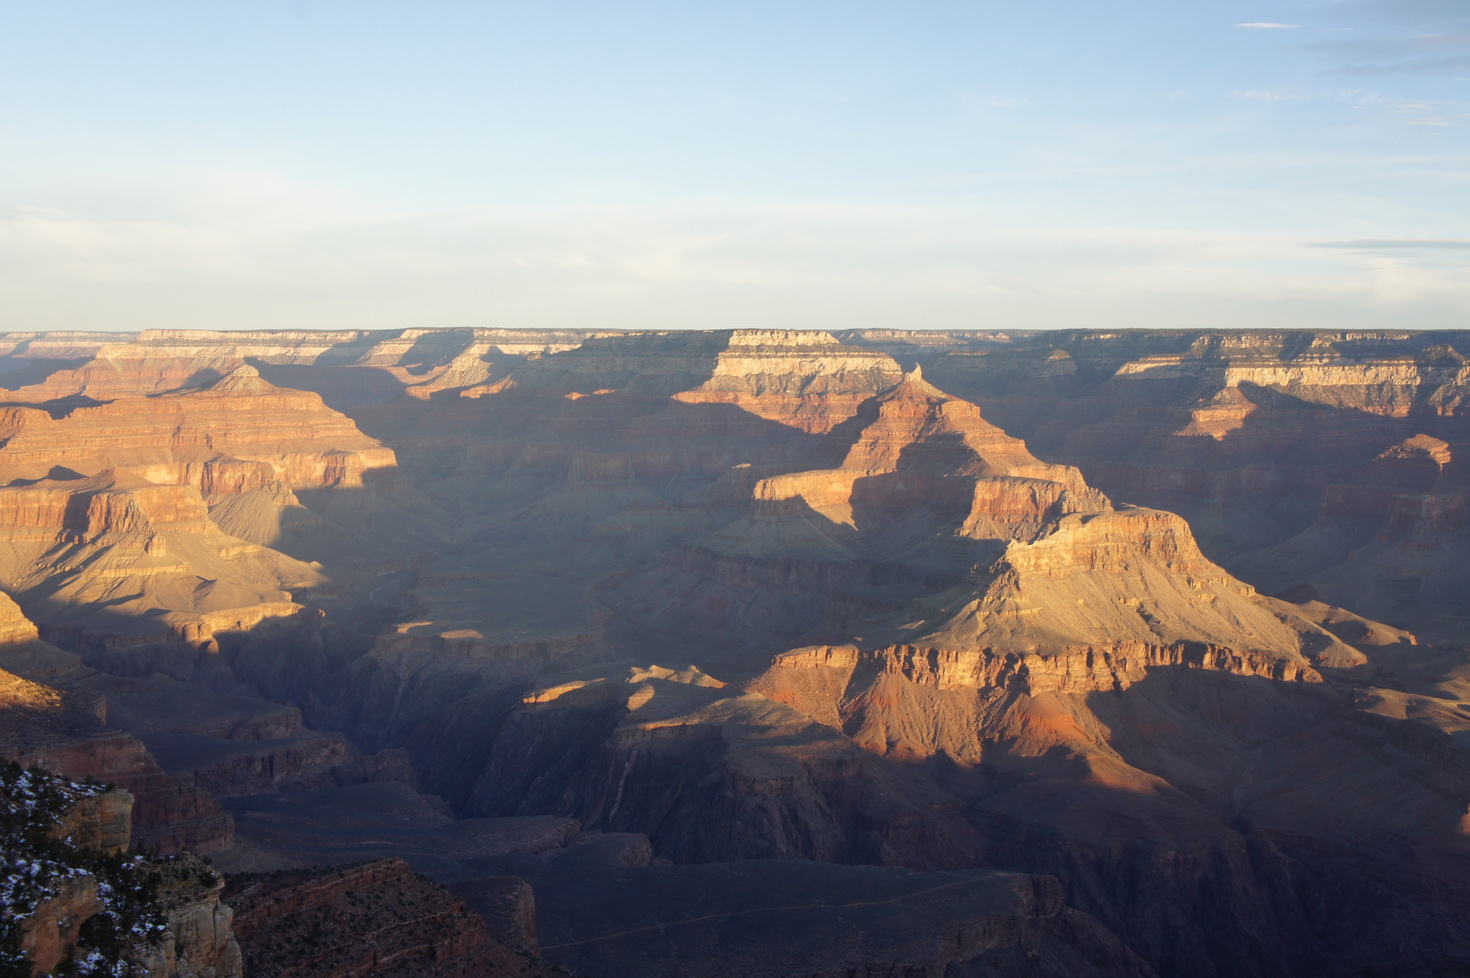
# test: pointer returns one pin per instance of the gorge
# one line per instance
(756, 652)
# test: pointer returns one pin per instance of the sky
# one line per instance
(289, 164)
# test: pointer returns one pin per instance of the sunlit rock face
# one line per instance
(1177, 618)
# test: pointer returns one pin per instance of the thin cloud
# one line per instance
(1276, 95)
(1400, 111)
(1404, 11)
(992, 101)
(1402, 37)
(1459, 65)
(1268, 26)
(1398, 244)
(247, 250)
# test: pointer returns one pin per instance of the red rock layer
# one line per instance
(172, 438)
(76, 543)
(376, 919)
(916, 450)
(61, 730)
(168, 815)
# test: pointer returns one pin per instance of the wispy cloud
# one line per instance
(1398, 244)
(1402, 111)
(1263, 25)
(992, 101)
(1458, 65)
(242, 252)
(1401, 37)
(1277, 94)
(1409, 111)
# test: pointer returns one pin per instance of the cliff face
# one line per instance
(1289, 453)
(171, 500)
(236, 417)
(60, 731)
(808, 381)
(373, 919)
(919, 447)
(148, 554)
(97, 910)
(708, 772)
(930, 491)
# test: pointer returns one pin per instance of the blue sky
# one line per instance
(313, 163)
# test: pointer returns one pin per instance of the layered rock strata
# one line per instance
(75, 902)
(375, 919)
(60, 731)
(757, 593)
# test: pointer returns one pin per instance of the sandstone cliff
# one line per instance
(1257, 437)
(59, 730)
(74, 900)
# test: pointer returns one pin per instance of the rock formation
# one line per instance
(373, 919)
(1176, 618)
(74, 900)
(64, 730)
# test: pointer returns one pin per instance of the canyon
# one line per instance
(758, 652)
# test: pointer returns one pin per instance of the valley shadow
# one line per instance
(1349, 854)
(344, 381)
(1258, 480)
(196, 380)
(606, 363)
(431, 348)
(34, 371)
(341, 388)
(59, 407)
(1274, 830)
(295, 659)
(666, 445)
(58, 473)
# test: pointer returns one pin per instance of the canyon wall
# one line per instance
(1176, 617)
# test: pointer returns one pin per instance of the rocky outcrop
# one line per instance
(174, 437)
(123, 567)
(1259, 438)
(708, 773)
(98, 823)
(918, 446)
(169, 815)
(108, 366)
(808, 380)
(73, 900)
(509, 907)
(53, 926)
(188, 892)
(469, 369)
(926, 491)
(63, 731)
(375, 919)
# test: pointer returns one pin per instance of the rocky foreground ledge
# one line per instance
(75, 902)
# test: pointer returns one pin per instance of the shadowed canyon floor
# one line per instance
(765, 653)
